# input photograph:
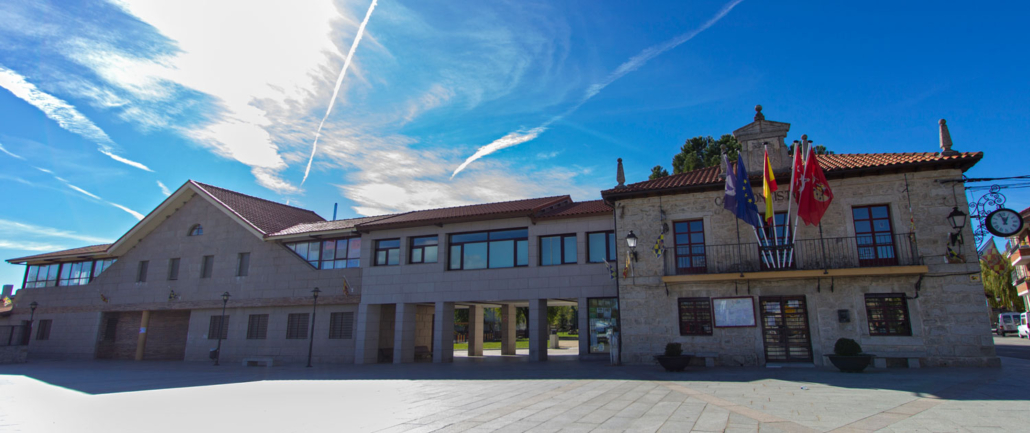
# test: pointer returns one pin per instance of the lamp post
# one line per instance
(631, 241)
(32, 315)
(221, 326)
(311, 335)
(957, 219)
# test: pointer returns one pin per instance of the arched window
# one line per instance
(196, 230)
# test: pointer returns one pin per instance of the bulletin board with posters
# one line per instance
(734, 312)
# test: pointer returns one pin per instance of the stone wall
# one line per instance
(14, 354)
(949, 319)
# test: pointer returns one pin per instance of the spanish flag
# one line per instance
(768, 187)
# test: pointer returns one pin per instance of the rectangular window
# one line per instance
(558, 250)
(341, 325)
(602, 316)
(207, 266)
(218, 326)
(243, 264)
(874, 235)
(329, 254)
(111, 329)
(100, 266)
(423, 249)
(887, 314)
(141, 271)
(388, 252)
(494, 249)
(297, 326)
(257, 327)
(173, 269)
(43, 329)
(41, 275)
(695, 316)
(601, 247)
(75, 274)
(690, 247)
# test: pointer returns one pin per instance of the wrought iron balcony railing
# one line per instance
(804, 254)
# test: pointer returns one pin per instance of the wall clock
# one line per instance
(1004, 222)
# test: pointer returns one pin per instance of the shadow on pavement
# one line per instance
(103, 377)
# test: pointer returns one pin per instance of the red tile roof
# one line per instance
(81, 251)
(265, 216)
(831, 164)
(328, 226)
(583, 208)
(514, 208)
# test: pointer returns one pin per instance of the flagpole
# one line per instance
(804, 140)
(790, 203)
(739, 251)
(766, 165)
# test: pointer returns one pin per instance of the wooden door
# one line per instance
(785, 329)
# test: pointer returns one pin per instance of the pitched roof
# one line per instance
(514, 208)
(580, 209)
(327, 226)
(831, 164)
(263, 215)
(90, 250)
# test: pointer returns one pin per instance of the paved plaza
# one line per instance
(505, 395)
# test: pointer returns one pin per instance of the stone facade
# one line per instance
(949, 324)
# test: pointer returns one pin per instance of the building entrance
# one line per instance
(785, 329)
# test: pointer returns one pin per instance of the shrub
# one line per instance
(847, 347)
(673, 349)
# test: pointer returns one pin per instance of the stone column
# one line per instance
(582, 317)
(141, 340)
(404, 333)
(366, 342)
(509, 318)
(538, 330)
(443, 332)
(476, 330)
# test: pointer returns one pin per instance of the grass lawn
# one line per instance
(522, 343)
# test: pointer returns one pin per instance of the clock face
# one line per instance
(1004, 222)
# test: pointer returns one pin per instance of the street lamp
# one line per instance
(32, 315)
(957, 219)
(221, 327)
(311, 335)
(631, 241)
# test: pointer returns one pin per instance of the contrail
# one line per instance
(138, 215)
(63, 113)
(634, 63)
(336, 90)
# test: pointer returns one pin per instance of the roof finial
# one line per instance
(758, 113)
(946, 140)
(620, 176)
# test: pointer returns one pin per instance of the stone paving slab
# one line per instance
(506, 396)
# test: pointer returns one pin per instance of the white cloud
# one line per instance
(4, 150)
(80, 190)
(63, 113)
(512, 139)
(138, 215)
(30, 246)
(23, 228)
(164, 189)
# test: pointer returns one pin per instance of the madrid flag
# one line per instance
(815, 192)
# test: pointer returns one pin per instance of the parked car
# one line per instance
(1023, 330)
(1008, 322)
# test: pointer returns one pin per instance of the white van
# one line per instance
(1008, 322)
(1023, 330)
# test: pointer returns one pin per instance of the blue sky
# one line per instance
(107, 105)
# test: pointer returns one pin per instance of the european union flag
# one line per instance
(738, 193)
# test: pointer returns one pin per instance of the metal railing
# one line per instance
(804, 254)
(14, 335)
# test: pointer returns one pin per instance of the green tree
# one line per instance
(658, 172)
(819, 150)
(1000, 291)
(701, 152)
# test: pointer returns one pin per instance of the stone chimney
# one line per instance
(620, 176)
(946, 140)
(753, 138)
(8, 289)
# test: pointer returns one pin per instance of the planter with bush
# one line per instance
(673, 359)
(848, 357)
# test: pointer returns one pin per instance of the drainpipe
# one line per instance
(618, 294)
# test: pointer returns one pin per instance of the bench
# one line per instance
(912, 358)
(255, 361)
(709, 357)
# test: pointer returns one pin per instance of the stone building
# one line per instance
(388, 285)
(876, 271)
(1017, 252)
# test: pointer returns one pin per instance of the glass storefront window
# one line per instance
(602, 316)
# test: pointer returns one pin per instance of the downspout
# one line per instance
(618, 296)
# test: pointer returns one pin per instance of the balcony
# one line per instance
(1020, 256)
(893, 254)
